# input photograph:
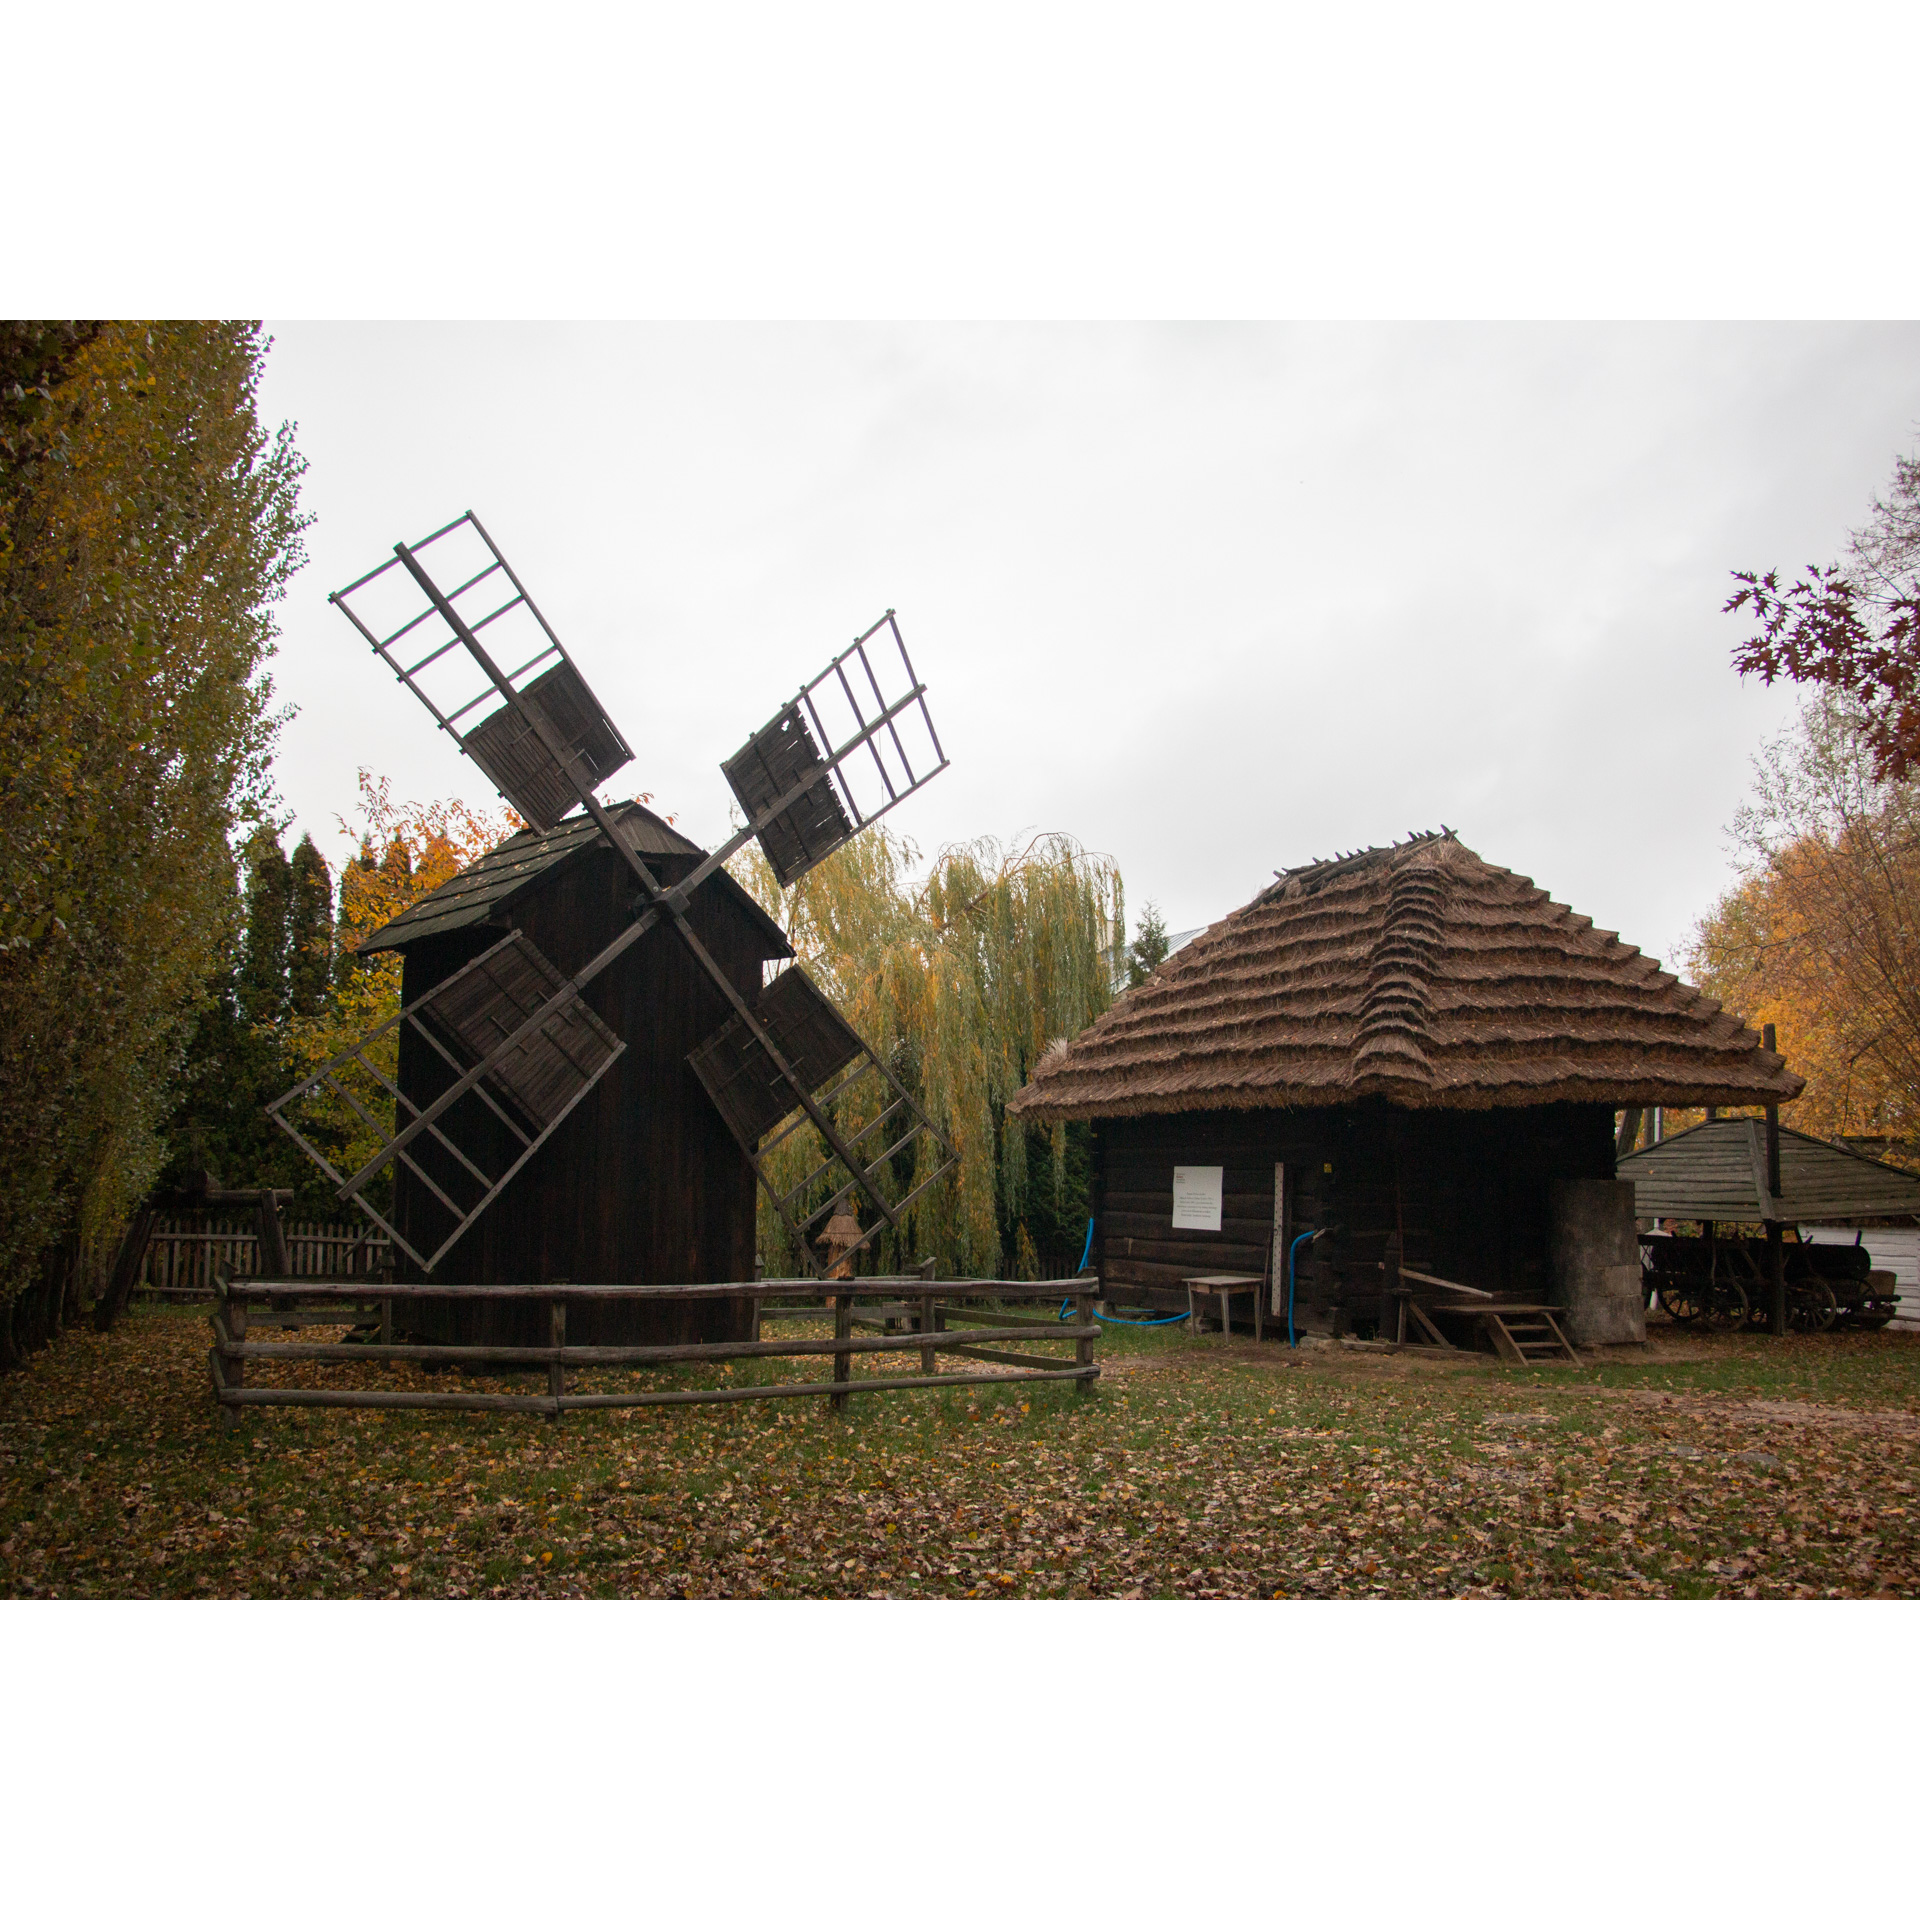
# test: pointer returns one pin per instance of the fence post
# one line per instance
(556, 1373)
(234, 1315)
(1083, 1347)
(929, 1360)
(842, 1361)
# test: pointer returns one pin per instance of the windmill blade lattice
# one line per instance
(760, 1106)
(535, 729)
(853, 743)
(516, 1039)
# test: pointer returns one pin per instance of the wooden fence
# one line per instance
(187, 1250)
(926, 1303)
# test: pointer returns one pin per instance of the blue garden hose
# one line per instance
(1066, 1306)
(1300, 1240)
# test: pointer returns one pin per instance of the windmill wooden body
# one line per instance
(600, 971)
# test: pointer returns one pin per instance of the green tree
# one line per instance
(961, 979)
(1150, 945)
(263, 984)
(148, 522)
(309, 930)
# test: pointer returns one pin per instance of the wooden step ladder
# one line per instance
(1521, 1334)
(1525, 1336)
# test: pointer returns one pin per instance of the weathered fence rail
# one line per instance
(927, 1303)
(185, 1252)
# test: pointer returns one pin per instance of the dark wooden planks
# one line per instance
(1467, 1193)
(774, 762)
(642, 1183)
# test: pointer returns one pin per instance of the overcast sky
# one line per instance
(1213, 599)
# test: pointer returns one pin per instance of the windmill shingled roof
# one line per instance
(478, 891)
(1417, 973)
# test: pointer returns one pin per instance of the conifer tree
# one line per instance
(269, 893)
(309, 929)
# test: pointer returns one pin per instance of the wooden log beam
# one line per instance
(879, 1287)
(542, 1403)
(994, 1357)
(642, 1356)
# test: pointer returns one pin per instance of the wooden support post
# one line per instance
(234, 1313)
(1390, 1287)
(842, 1362)
(557, 1334)
(1776, 1279)
(386, 1323)
(1776, 1254)
(274, 1263)
(929, 1323)
(1083, 1347)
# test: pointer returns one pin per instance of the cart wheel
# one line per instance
(1811, 1308)
(1759, 1312)
(1727, 1307)
(1873, 1313)
(1682, 1304)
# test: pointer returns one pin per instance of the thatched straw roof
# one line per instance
(1416, 973)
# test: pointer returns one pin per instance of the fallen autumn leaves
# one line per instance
(1198, 1467)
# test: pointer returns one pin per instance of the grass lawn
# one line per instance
(1738, 1465)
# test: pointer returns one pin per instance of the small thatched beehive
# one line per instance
(1405, 1040)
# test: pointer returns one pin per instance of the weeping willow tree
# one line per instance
(959, 979)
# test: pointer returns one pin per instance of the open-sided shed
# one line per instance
(1721, 1174)
(1404, 1045)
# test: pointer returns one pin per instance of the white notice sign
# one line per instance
(1196, 1199)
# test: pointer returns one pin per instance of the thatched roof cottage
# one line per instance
(1401, 1042)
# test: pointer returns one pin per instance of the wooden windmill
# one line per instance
(518, 1042)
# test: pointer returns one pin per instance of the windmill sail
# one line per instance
(535, 729)
(761, 1107)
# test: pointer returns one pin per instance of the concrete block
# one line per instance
(1594, 1277)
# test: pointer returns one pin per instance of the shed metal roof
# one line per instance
(1718, 1171)
(478, 892)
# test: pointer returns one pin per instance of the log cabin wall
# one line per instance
(1468, 1191)
(642, 1183)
